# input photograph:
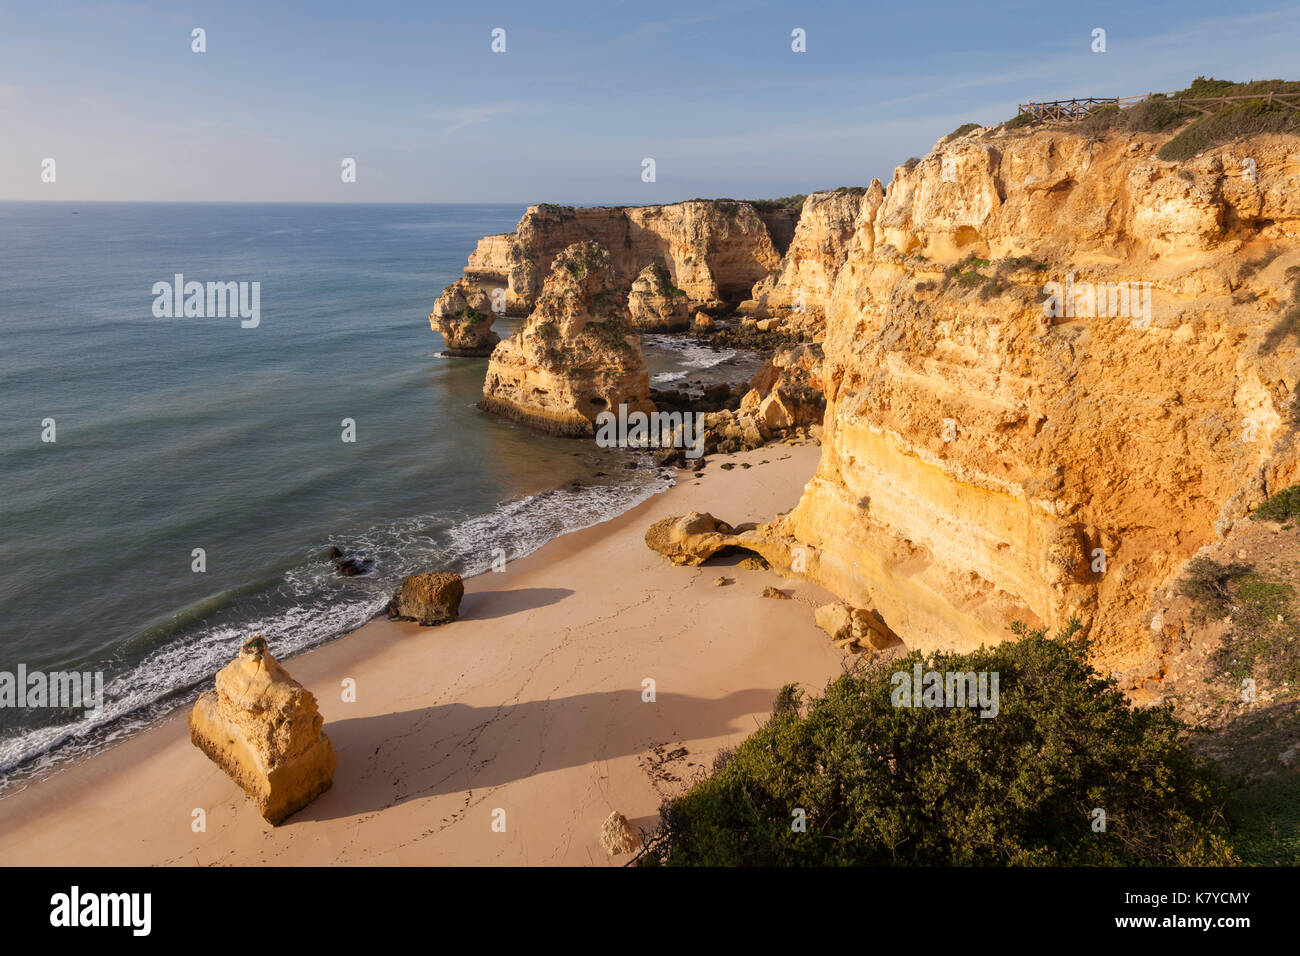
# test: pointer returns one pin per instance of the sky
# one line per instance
(583, 93)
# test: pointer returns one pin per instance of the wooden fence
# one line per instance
(1071, 111)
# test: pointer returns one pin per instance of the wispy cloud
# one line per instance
(459, 117)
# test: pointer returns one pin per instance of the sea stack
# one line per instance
(576, 356)
(263, 729)
(463, 314)
(655, 304)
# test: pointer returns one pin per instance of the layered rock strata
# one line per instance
(1055, 367)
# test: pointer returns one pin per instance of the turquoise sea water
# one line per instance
(180, 433)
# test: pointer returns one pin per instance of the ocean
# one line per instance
(177, 434)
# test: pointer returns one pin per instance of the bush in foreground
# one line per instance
(900, 785)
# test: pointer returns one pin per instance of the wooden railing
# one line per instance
(1071, 111)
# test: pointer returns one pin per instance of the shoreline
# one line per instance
(531, 703)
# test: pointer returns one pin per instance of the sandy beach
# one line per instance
(531, 703)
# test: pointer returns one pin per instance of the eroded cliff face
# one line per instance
(576, 356)
(984, 461)
(713, 250)
(800, 288)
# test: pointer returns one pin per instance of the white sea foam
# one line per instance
(316, 606)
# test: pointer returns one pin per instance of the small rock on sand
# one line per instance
(617, 835)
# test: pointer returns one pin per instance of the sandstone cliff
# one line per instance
(713, 250)
(984, 461)
(576, 355)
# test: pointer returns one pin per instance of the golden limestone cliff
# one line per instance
(576, 355)
(1055, 368)
(714, 251)
(800, 288)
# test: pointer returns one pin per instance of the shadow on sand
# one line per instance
(448, 748)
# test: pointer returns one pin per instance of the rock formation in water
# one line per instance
(463, 314)
(655, 304)
(1056, 366)
(577, 354)
(263, 729)
(428, 599)
(713, 250)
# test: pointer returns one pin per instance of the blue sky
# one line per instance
(710, 90)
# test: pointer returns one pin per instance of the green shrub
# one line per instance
(1206, 582)
(1153, 115)
(785, 202)
(961, 130)
(1022, 120)
(1100, 120)
(1282, 506)
(887, 785)
(1232, 120)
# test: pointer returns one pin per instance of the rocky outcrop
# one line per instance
(263, 729)
(617, 836)
(428, 599)
(690, 539)
(577, 354)
(797, 293)
(786, 393)
(855, 627)
(713, 250)
(784, 399)
(463, 315)
(655, 304)
(351, 563)
(1011, 434)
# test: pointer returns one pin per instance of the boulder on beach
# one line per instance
(617, 835)
(263, 729)
(428, 599)
(848, 626)
(689, 539)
